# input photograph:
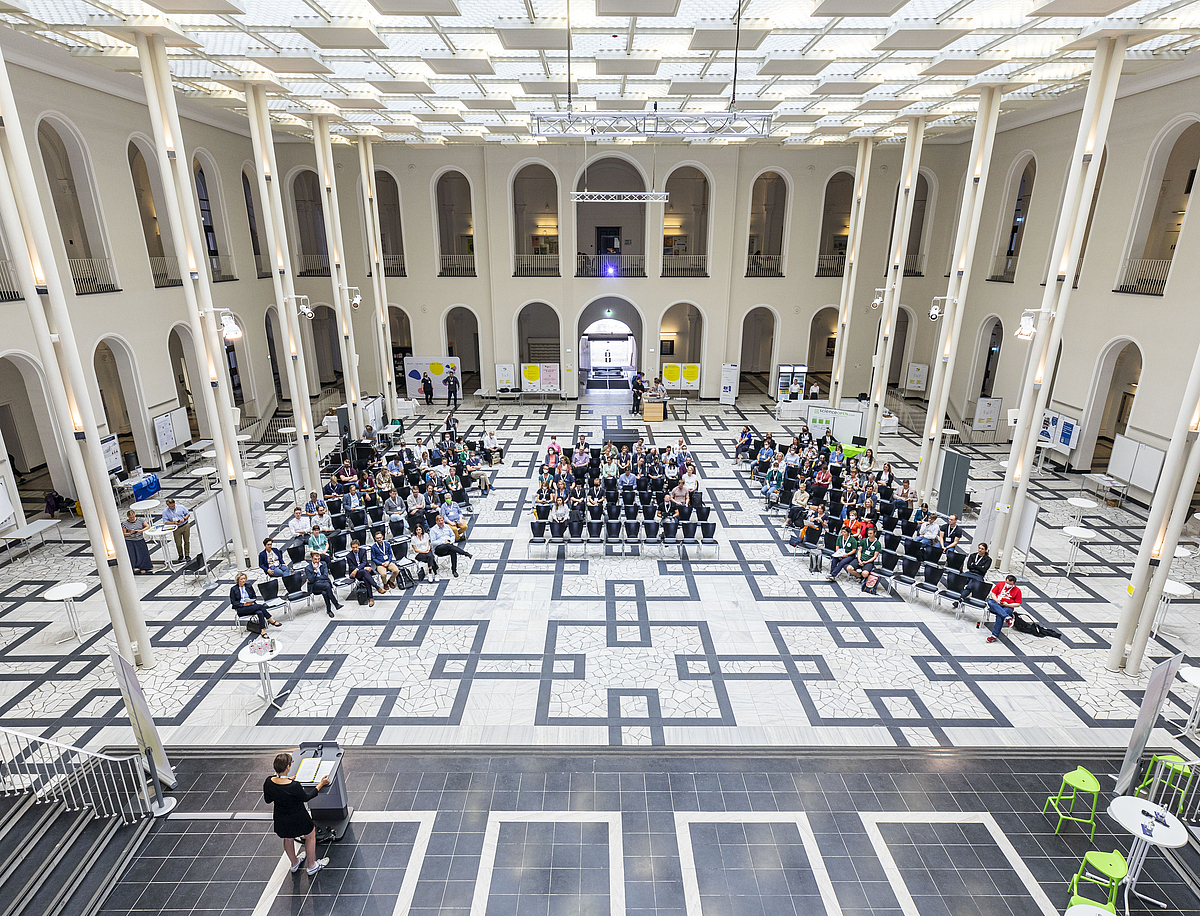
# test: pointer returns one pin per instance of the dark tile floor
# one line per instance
(760, 863)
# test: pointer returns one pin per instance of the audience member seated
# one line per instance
(245, 602)
(951, 536)
(929, 532)
(441, 536)
(318, 543)
(422, 548)
(845, 552)
(270, 560)
(299, 526)
(975, 569)
(316, 574)
(385, 562)
(1003, 602)
(362, 570)
(453, 515)
(314, 503)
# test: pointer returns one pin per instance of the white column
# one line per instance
(180, 206)
(891, 298)
(858, 207)
(383, 331)
(1081, 182)
(337, 271)
(38, 272)
(960, 283)
(285, 296)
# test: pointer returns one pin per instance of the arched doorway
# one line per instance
(29, 435)
(538, 334)
(391, 239)
(987, 356)
(835, 226)
(758, 351)
(685, 224)
(462, 340)
(402, 341)
(325, 340)
(124, 410)
(768, 224)
(680, 335)
(610, 366)
(187, 376)
(822, 339)
(1112, 401)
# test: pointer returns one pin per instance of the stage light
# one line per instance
(1027, 330)
(229, 328)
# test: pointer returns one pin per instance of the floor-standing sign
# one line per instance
(917, 376)
(144, 731)
(1157, 688)
(987, 414)
(691, 377)
(506, 376)
(729, 383)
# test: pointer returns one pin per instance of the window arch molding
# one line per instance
(790, 188)
(514, 243)
(1011, 188)
(222, 262)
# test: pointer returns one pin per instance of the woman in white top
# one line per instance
(423, 551)
(560, 512)
(866, 462)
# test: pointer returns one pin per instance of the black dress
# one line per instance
(292, 819)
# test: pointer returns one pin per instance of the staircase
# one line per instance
(70, 823)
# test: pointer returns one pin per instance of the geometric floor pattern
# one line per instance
(743, 649)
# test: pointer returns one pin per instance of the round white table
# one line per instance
(248, 656)
(1191, 675)
(1171, 590)
(210, 454)
(1182, 553)
(204, 471)
(271, 461)
(67, 592)
(163, 534)
(243, 437)
(1081, 506)
(1127, 810)
(1076, 535)
(1086, 909)
(144, 507)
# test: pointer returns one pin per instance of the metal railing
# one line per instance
(312, 265)
(831, 265)
(535, 265)
(1174, 785)
(9, 290)
(908, 415)
(393, 265)
(457, 265)
(1145, 276)
(261, 267)
(610, 265)
(165, 272)
(685, 265)
(764, 265)
(1004, 270)
(914, 265)
(92, 275)
(79, 779)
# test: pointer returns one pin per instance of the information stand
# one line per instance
(330, 810)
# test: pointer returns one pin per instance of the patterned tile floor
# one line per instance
(744, 649)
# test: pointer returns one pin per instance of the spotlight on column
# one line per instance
(229, 328)
(1026, 331)
(878, 300)
(356, 299)
(936, 308)
(302, 307)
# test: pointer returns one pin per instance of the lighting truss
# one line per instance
(649, 124)
(618, 197)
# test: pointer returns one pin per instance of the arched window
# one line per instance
(313, 256)
(835, 225)
(75, 205)
(1012, 232)
(456, 229)
(164, 266)
(387, 198)
(1160, 218)
(535, 222)
(610, 238)
(1087, 229)
(222, 267)
(685, 224)
(262, 266)
(914, 257)
(768, 217)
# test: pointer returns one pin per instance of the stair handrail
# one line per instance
(55, 772)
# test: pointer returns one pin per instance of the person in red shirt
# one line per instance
(1004, 600)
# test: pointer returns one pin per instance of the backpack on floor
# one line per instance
(870, 583)
(816, 561)
(1024, 624)
(405, 579)
(362, 593)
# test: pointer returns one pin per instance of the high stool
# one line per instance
(1112, 869)
(1177, 775)
(1079, 780)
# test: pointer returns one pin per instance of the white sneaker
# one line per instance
(299, 861)
(318, 865)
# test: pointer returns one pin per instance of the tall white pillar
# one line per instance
(895, 280)
(1068, 239)
(35, 263)
(180, 206)
(960, 283)
(285, 295)
(337, 270)
(858, 209)
(382, 327)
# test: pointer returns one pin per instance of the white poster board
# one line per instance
(183, 428)
(672, 376)
(438, 368)
(917, 376)
(506, 376)
(550, 376)
(164, 433)
(1066, 436)
(1157, 688)
(1048, 432)
(531, 377)
(845, 424)
(372, 409)
(144, 730)
(258, 512)
(1136, 463)
(6, 507)
(987, 414)
(296, 475)
(212, 526)
(691, 377)
(112, 454)
(729, 383)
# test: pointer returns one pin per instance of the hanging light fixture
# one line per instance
(936, 308)
(878, 300)
(1026, 331)
(356, 299)
(229, 326)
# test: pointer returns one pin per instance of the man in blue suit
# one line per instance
(358, 562)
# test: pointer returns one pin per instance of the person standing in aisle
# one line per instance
(639, 388)
(181, 519)
(451, 383)
(427, 389)
(291, 818)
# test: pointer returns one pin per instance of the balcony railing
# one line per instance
(831, 265)
(92, 275)
(535, 265)
(261, 267)
(313, 265)
(1005, 269)
(393, 265)
(222, 268)
(914, 265)
(457, 265)
(165, 272)
(685, 265)
(764, 265)
(9, 290)
(1144, 276)
(610, 265)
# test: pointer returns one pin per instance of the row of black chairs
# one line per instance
(626, 532)
(648, 509)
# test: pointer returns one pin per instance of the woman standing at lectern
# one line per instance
(292, 820)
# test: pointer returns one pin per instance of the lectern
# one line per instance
(330, 810)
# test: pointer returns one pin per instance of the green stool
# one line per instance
(1177, 775)
(1112, 869)
(1079, 780)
